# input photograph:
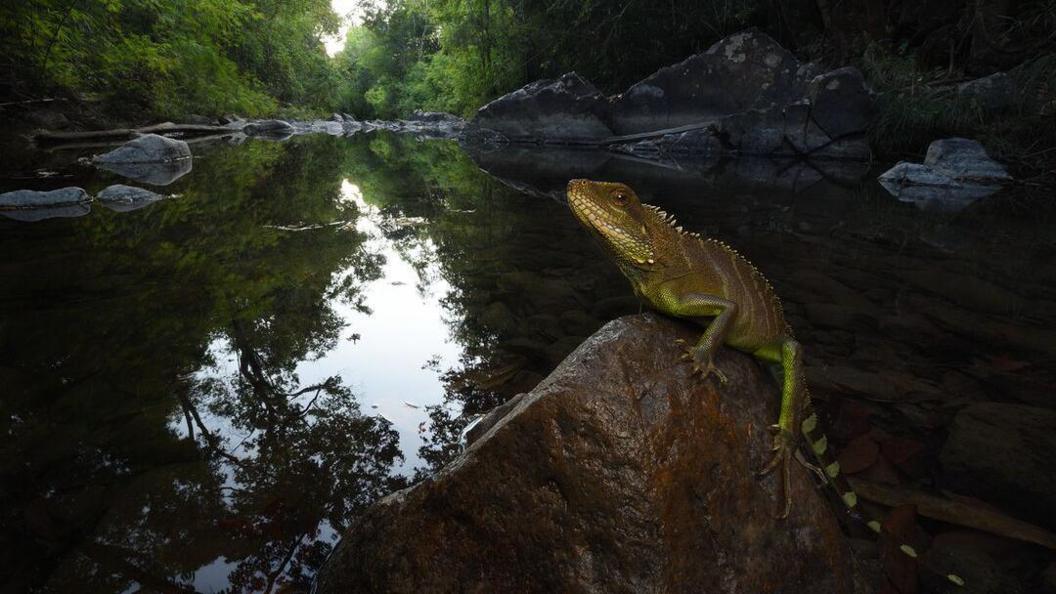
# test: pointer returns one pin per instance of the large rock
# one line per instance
(992, 93)
(151, 159)
(955, 173)
(566, 110)
(746, 95)
(619, 473)
(744, 71)
(149, 148)
(1002, 453)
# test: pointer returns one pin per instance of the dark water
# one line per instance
(201, 394)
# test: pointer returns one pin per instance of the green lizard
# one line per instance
(684, 275)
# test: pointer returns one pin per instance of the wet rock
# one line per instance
(155, 174)
(31, 206)
(35, 199)
(618, 473)
(32, 215)
(745, 95)
(840, 103)
(149, 148)
(744, 71)
(564, 110)
(336, 117)
(1002, 453)
(269, 128)
(955, 173)
(123, 198)
(993, 93)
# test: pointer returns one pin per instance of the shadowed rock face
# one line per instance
(618, 473)
(746, 95)
(567, 109)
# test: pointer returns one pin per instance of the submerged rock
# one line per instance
(1002, 453)
(32, 215)
(955, 173)
(155, 174)
(31, 205)
(620, 472)
(36, 199)
(123, 198)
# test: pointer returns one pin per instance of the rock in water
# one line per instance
(35, 199)
(151, 159)
(149, 148)
(619, 473)
(123, 198)
(566, 110)
(269, 128)
(955, 173)
(31, 205)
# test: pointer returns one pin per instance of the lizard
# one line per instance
(685, 275)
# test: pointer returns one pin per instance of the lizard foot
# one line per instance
(703, 363)
(784, 446)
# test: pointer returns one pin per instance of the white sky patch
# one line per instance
(351, 14)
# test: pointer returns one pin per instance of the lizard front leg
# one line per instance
(793, 400)
(722, 313)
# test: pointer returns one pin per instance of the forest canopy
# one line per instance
(261, 57)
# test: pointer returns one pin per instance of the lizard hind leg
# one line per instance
(793, 399)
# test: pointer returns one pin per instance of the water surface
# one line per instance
(199, 395)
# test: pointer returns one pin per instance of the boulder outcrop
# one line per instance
(566, 110)
(620, 472)
(746, 95)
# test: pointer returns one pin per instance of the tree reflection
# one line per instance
(132, 453)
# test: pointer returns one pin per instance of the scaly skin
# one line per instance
(687, 276)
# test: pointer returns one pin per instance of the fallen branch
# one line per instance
(129, 133)
(955, 512)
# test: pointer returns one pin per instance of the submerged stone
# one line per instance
(156, 174)
(37, 199)
(123, 198)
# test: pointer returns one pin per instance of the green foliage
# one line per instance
(173, 58)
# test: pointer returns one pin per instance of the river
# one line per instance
(199, 395)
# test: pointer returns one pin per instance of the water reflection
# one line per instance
(200, 394)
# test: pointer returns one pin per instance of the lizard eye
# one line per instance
(620, 198)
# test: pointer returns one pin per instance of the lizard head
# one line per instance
(612, 212)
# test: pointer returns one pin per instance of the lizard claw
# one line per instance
(784, 446)
(703, 364)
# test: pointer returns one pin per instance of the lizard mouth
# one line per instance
(603, 224)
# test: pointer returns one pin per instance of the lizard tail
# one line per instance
(819, 445)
